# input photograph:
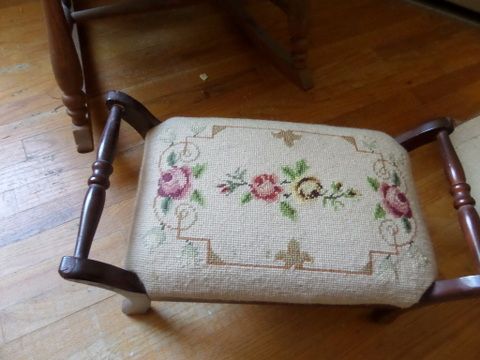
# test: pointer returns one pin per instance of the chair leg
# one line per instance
(291, 63)
(134, 303)
(298, 24)
(68, 71)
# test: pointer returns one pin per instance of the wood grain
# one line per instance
(380, 64)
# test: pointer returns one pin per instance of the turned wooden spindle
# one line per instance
(80, 268)
(466, 286)
(98, 183)
(68, 70)
(462, 199)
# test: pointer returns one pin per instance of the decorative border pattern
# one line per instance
(186, 215)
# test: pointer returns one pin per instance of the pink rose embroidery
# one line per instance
(294, 187)
(395, 201)
(265, 187)
(175, 182)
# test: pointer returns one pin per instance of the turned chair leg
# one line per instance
(68, 71)
(298, 24)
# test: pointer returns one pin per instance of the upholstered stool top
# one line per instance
(251, 210)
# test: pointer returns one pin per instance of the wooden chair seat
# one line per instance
(236, 210)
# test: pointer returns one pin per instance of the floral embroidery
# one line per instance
(154, 237)
(269, 188)
(190, 254)
(266, 187)
(394, 201)
(293, 257)
(289, 188)
(415, 253)
(175, 183)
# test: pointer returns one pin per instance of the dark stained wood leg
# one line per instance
(68, 70)
(385, 315)
(78, 267)
(298, 23)
(292, 64)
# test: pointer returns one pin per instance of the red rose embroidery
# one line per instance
(395, 201)
(175, 182)
(265, 187)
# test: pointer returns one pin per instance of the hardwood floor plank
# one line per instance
(33, 309)
(59, 241)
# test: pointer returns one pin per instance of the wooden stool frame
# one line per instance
(81, 269)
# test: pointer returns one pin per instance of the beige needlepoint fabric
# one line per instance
(466, 140)
(252, 210)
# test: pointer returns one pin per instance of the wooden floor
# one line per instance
(380, 64)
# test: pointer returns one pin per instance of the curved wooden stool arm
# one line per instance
(134, 112)
(99, 274)
(425, 133)
(78, 267)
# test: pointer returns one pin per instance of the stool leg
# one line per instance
(385, 315)
(135, 303)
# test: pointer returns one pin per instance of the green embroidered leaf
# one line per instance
(198, 170)
(197, 129)
(289, 172)
(246, 198)
(197, 197)
(301, 167)
(396, 178)
(370, 145)
(190, 252)
(336, 186)
(172, 159)
(287, 210)
(379, 213)
(157, 233)
(166, 204)
(407, 225)
(373, 183)
(337, 205)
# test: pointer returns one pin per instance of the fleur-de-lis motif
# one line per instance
(293, 256)
(288, 136)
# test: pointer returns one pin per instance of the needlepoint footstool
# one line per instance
(234, 210)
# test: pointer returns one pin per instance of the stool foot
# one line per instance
(135, 303)
(385, 315)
